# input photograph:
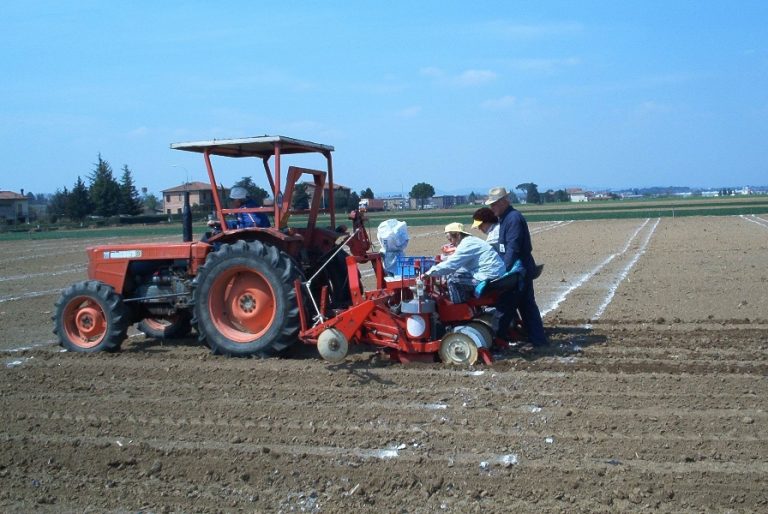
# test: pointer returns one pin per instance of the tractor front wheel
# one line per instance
(90, 317)
(245, 301)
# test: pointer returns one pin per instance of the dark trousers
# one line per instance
(524, 301)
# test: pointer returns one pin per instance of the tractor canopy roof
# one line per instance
(261, 146)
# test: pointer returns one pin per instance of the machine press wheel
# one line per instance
(458, 348)
(332, 345)
(484, 330)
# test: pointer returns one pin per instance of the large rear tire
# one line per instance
(245, 301)
(90, 317)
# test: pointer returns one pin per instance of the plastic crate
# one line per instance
(412, 266)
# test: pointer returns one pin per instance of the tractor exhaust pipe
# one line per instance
(186, 219)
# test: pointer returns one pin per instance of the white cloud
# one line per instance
(474, 77)
(138, 132)
(650, 108)
(513, 30)
(432, 72)
(409, 112)
(505, 102)
(466, 78)
(544, 65)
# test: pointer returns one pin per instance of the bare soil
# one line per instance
(652, 395)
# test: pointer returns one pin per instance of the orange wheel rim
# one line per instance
(242, 304)
(159, 324)
(84, 322)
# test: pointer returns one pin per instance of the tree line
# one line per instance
(103, 196)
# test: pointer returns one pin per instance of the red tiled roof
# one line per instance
(336, 185)
(190, 186)
(10, 195)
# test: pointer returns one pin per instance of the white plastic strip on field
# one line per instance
(583, 279)
(32, 294)
(75, 269)
(556, 224)
(624, 273)
(60, 248)
(757, 220)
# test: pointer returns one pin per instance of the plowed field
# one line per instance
(652, 395)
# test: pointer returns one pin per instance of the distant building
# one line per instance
(200, 193)
(395, 203)
(14, 207)
(447, 201)
(337, 188)
(577, 194)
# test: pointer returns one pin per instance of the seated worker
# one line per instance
(240, 199)
(472, 262)
(486, 221)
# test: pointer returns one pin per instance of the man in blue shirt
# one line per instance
(514, 244)
(240, 199)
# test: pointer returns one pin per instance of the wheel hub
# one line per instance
(89, 322)
(243, 304)
(247, 303)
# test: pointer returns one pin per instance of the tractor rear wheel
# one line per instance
(171, 327)
(90, 317)
(245, 301)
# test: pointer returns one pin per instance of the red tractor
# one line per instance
(257, 291)
(237, 287)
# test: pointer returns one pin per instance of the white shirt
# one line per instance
(474, 255)
(493, 236)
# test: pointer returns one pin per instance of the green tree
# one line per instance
(255, 192)
(562, 196)
(57, 207)
(531, 192)
(472, 197)
(130, 203)
(422, 191)
(341, 200)
(353, 202)
(104, 190)
(300, 198)
(367, 193)
(150, 202)
(79, 202)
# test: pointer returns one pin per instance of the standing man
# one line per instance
(514, 244)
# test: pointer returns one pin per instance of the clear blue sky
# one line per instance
(459, 94)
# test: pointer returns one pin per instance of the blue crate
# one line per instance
(408, 266)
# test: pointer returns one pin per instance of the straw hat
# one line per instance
(496, 194)
(456, 227)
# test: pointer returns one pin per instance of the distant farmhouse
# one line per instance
(337, 188)
(576, 194)
(199, 194)
(14, 207)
